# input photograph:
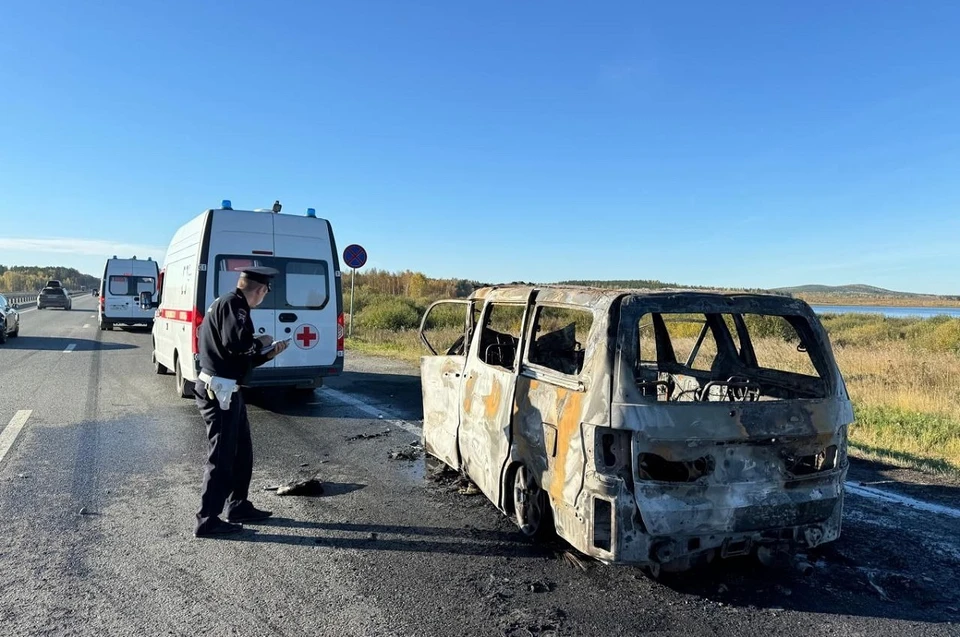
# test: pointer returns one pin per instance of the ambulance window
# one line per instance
(307, 284)
(146, 284)
(119, 286)
(228, 272)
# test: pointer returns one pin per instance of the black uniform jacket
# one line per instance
(227, 346)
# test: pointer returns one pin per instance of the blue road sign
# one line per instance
(354, 256)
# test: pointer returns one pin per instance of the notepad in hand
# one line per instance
(269, 348)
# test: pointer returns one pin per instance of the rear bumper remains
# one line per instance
(129, 320)
(617, 532)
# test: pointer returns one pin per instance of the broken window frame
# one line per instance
(468, 325)
(541, 371)
(485, 314)
(635, 308)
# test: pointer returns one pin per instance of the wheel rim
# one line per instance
(179, 376)
(528, 500)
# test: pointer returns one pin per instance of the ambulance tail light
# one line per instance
(195, 328)
(103, 303)
(340, 324)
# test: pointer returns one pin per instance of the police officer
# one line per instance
(228, 353)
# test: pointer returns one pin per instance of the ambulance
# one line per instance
(122, 291)
(204, 261)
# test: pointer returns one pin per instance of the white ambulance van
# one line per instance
(204, 261)
(121, 288)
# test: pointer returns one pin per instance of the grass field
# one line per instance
(903, 376)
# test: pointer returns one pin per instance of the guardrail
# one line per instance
(27, 299)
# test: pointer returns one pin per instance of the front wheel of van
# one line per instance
(531, 506)
(184, 387)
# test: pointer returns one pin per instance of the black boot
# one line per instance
(246, 512)
(216, 526)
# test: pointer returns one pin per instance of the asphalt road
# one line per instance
(384, 551)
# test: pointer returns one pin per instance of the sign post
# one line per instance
(354, 256)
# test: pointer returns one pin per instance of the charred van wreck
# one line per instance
(645, 428)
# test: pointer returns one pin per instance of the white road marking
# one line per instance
(70, 348)
(12, 430)
(86, 325)
(376, 412)
(895, 498)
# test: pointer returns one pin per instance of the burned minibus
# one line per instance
(651, 428)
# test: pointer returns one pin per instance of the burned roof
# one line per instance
(697, 299)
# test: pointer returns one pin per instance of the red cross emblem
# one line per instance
(307, 336)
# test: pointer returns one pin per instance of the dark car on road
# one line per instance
(9, 320)
(54, 297)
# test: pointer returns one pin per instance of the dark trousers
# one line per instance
(226, 476)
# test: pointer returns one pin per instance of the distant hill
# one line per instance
(853, 289)
(860, 294)
(652, 284)
(853, 294)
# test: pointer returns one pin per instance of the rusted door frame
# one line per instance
(492, 390)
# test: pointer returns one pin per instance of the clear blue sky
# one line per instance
(715, 143)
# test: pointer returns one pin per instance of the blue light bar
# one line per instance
(312, 212)
(226, 205)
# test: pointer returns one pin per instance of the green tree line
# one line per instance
(28, 278)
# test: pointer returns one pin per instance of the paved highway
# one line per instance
(100, 476)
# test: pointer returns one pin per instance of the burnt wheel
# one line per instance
(531, 506)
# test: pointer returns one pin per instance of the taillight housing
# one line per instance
(197, 320)
(340, 324)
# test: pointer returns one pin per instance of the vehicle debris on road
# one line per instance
(411, 452)
(310, 486)
(385, 432)
(574, 560)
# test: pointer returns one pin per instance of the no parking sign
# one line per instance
(354, 256)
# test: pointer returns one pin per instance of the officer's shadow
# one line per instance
(387, 537)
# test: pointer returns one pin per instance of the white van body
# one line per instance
(204, 261)
(120, 288)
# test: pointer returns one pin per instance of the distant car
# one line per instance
(93, 292)
(53, 283)
(54, 297)
(9, 320)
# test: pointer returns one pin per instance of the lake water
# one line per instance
(895, 312)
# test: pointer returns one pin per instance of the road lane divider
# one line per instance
(896, 498)
(376, 412)
(12, 430)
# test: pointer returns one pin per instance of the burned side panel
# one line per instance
(556, 419)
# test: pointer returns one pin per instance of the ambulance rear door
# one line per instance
(307, 302)
(240, 240)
